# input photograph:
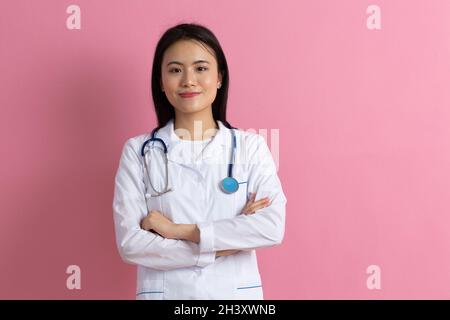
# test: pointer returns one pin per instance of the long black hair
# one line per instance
(189, 31)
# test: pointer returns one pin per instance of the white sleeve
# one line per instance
(138, 246)
(264, 228)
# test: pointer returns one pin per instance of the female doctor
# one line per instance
(185, 208)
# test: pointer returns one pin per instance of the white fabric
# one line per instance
(179, 269)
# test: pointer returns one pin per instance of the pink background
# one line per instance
(364, 138)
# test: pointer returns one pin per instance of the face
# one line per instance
(188, 66)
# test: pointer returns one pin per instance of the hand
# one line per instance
(157, 222)
(252, 205)
(250, 208)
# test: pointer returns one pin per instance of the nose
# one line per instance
(188, 78)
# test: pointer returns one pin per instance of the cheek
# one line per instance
(209, 83)
(170, 85)
(169, 81)
(210, 88)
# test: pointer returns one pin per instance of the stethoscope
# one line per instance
(227, 185)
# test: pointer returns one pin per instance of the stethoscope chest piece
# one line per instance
(229, 185)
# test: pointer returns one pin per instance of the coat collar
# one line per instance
(217, 146)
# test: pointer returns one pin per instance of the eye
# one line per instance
(175, 69)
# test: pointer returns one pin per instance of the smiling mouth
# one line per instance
(189, 95)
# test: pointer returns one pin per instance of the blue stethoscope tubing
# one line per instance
(227, 185)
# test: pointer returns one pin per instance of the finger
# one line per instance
(251, 197)
(251, 206)
(252, 210)
(252, 202)
(257, 205)
(249, 201)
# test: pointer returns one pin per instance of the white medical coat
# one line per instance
(180, 269)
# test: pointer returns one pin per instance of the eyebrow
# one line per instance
(195, 62)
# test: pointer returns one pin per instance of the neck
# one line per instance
(195, 126)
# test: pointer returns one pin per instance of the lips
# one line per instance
(189, 94)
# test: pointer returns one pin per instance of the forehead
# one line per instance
(187, 51)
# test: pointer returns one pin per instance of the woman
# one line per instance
(192, 233)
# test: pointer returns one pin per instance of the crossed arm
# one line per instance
(155, 221)
(205, 240)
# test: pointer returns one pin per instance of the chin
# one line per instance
(189, 109)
